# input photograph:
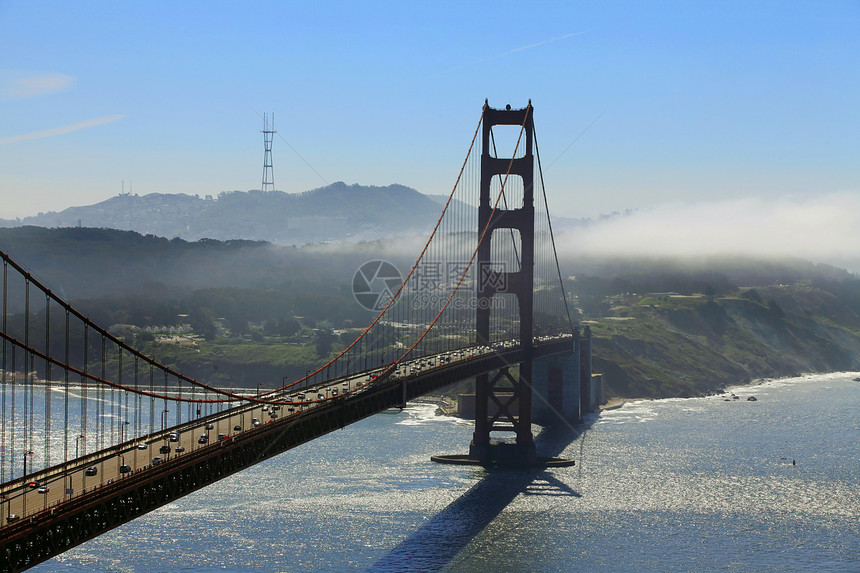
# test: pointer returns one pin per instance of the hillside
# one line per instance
(661, 328)
(674, 345)
(337, 212)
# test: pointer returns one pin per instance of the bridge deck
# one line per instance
(111, 498)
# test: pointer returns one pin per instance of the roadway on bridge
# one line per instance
(45, 490)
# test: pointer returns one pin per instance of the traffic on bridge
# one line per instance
(41, 491)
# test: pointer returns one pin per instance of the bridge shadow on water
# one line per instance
(439, 540)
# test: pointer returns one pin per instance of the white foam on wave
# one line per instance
(767, 383)
(637, 411)
(424, 413)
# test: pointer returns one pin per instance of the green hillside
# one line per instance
(251, 312)
(674, 345)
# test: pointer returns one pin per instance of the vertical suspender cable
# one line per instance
(12, 416)
(123, 422)
(3, 371)
(552, 238)
(28, 385)
(151, 399)
(84, 379)
(164, 401)
(47, 381)
(136, 411)
(102, 398)
(66, 393)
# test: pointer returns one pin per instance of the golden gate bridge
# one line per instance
(94, 433)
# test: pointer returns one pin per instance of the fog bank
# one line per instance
(823, 229)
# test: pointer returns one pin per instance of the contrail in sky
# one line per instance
(14, 86)
(502, 55)
(515, 50)
(61, 130)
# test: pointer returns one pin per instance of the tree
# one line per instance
(289, 326)
(324, 340)
(203, 323)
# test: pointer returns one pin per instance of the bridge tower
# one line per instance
(511, 395)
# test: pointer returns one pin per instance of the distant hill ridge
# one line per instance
(337, 212)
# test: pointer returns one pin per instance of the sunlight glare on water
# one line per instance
(664, 485)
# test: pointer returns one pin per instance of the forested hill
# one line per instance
(661, 327)
(337, 212)
(88, 263)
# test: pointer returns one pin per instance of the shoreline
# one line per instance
(614, 403)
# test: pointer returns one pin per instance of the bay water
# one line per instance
(719, 483)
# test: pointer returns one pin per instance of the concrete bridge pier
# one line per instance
(564, 388)
(556, 389)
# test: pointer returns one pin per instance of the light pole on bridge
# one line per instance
(24, 497)
(8, 502)
(29, 453)
(122, 428)
(77, 455)
(259, 386)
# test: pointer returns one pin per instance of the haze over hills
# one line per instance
(661, 328)
(337, 212)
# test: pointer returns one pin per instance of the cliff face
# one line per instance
(679, 346)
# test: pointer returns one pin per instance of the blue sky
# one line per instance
(694, 101)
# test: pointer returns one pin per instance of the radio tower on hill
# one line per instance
(268, 132)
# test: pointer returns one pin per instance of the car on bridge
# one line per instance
(156, 461)
(125, 469)
(203, 439)
(44, 489)
(165, 449)
(34, 484)
(91, 471)
(255, 422)
(142, 446)
(13, 517)
(180, 449)
(237, 428)
(174, 437)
